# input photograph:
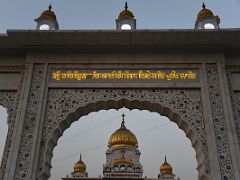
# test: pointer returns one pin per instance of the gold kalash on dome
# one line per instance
(123, 137)
(80, 166)
(166, 168)
(126, 13)
(49, 13)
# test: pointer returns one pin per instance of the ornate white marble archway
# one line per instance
(44, 123)
(67, 105)
(40, 107)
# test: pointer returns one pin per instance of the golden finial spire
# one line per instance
(50, 7)
(80, 157)
(165, 159)
(203, 5)
(126, 6)
(123, 120)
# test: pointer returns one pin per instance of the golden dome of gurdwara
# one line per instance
(126, 13)
(123, 137)
(49, 14)
(166, 168)
(80, 166)
(204, 13)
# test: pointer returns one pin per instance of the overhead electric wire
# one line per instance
(99, 146)
(77, 153)
(87, 130)
(150, 129)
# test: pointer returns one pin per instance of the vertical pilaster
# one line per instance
(220, 129)
(214, 171)
(32, 173)
(229, 120)
(235, 101)
(18, 128)
(32, 104)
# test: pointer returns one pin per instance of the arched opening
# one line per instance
(126, 27)
(44, 27)
(3, 131)
(209, 26)
(186, 114)
(156, 134)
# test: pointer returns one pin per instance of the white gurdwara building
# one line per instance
(123, 155)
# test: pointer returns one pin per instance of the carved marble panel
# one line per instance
(67, 105)
(29, 124)
(236, 101)
(224, 155)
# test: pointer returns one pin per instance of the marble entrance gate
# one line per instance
(45, 92)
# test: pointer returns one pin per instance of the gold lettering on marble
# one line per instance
(125, 75)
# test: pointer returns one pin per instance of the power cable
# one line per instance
(150, 129)
(87, 130)
(77, 153)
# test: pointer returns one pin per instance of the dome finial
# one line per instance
(123, 120)
(203, 5)
(50, 7)
(165, 159)
(80, 157)
(126, 6)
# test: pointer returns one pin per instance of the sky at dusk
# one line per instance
(101, 14)
(157, 135)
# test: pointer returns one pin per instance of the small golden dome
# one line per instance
(80, 166)
(204, 13)
(123, 137)
(166, 168)
(126, 13)
(49, 13)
